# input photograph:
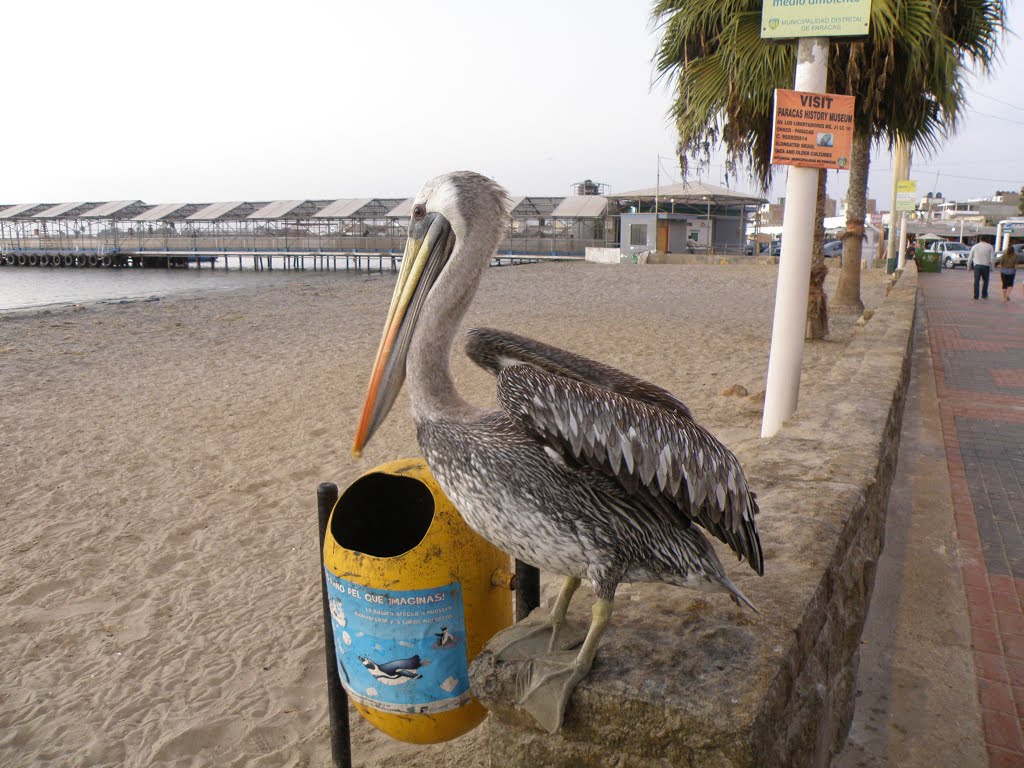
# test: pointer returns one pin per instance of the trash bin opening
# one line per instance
(383, 515)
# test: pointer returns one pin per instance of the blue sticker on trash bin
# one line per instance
(400, 651)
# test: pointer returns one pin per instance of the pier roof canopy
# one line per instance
(164, 211)
(525, 207)
(116, 209)
(401, 211)
(64, 209)
(690, 192)
(581, 207)
(512, 203)
(277, 209)
(344, 208)
(215, 211)
(23, 211)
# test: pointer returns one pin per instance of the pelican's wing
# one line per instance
(653, 452)
(495, 350)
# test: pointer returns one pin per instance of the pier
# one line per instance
(319, 261)
(352, 235)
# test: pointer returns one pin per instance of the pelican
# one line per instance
(583, 471)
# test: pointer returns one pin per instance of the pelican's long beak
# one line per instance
(430, 244)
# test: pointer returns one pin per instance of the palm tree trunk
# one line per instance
(847, 298)
(817, 301)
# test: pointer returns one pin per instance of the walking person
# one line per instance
(1008, 271)
(980, 259)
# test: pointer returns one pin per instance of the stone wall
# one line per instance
(686, 681)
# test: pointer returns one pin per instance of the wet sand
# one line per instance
(160, 593)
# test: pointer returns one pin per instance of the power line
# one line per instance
(972, 178)
(995, 117)
(999, 101)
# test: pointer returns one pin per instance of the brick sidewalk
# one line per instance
(978, 353)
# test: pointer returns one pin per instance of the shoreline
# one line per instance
(169, 290)
(160, 593)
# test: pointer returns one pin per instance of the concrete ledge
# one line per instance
(660, 257)
(683, 680)
(604, 255)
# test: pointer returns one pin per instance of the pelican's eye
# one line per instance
(419, 211)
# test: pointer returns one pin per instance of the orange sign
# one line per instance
(813, 130)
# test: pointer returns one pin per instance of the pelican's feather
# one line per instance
(637, 443)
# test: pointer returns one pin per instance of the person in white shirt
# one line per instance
(981, 259)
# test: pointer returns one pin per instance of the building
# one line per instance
(770, 214)
(870, 210)
(685, 217)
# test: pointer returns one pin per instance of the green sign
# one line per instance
(786, 19)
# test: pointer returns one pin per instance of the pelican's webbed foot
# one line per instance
(522, 641)
(527, 640)
(546, 684)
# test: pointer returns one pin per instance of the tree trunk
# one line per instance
(817, 301)
(847, 298)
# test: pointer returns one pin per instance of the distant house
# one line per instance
(686, 217)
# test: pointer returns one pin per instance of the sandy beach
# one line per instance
(159, 576)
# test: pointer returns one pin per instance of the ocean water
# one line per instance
(23, 288)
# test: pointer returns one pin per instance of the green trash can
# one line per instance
(928, 262)
(890, 266)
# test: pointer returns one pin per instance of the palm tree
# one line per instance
(907, 76)
(817, 301)
(726, 80)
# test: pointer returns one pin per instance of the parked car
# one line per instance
(752, 248)
(951, 254)
(834, 248)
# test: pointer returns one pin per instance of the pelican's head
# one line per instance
(450, 210)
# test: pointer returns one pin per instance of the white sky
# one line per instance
(217, 100)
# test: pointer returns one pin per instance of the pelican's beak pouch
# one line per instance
(414, 593)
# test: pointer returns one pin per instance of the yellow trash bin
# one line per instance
(414, 594)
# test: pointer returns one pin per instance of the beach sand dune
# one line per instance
(160, 593)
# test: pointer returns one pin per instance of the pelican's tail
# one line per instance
(738, 597)
(699, 568)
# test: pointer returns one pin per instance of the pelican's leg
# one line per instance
(547, 683)
(522, 641)
(561, 607)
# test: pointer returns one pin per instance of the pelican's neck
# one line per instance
(432, 391)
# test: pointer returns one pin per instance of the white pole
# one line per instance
(897, 174)
(785, 359)
(657, 195)
(901, 262)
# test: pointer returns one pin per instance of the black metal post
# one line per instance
(337, 701)
(527, 589)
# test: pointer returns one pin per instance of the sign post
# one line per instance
(808, 134)
(906, 201)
